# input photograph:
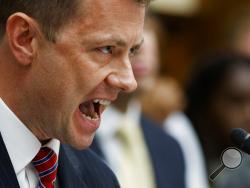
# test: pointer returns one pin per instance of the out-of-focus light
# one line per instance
(176, 7)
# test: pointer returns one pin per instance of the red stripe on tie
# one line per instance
(45, 163)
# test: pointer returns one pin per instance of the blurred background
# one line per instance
(198, 33)
(198, 28)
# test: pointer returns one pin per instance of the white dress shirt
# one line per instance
(22, 146)
(179, 127)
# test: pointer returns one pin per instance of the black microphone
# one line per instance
(232, 157)
(242, 139)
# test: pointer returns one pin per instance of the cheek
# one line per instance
(86, 78)
(53, 85)
(77, 71)
(85, 71)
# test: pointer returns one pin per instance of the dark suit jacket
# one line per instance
(77, 169)
(165, 153)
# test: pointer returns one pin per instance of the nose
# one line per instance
(123, 78)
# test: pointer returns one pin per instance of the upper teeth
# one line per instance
(102, 101)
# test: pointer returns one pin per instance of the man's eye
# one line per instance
(106, 49)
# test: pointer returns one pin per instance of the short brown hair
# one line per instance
(50, 14)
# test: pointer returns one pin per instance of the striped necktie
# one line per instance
(45, 162)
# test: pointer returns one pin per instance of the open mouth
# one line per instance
(93, 109)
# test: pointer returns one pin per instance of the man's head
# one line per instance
(219, 93)
(59, 71)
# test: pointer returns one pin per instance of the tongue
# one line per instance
(87, 108)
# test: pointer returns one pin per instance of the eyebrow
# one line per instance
(118, 40)
(122, 43)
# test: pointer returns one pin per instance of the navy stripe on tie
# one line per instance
(50, 170)
(41, 185)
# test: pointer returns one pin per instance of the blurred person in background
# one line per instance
(164, 103)
(218, 101)
(162, 100)
(157, 160)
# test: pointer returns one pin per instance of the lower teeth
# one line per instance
(95, 116)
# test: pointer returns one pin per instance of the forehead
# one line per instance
(97, 8)
(110, 17)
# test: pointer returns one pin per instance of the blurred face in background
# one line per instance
(145, 63)
(230, 106)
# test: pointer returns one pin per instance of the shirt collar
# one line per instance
(22, 145)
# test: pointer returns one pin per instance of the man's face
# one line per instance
(231, 104)
(73, 79)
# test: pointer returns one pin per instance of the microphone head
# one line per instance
(246, 145)
(241, 138)
(238, 136)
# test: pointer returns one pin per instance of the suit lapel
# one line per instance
(155, 149)
(7, 173)
(68, 174)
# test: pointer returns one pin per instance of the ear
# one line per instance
(22, 33)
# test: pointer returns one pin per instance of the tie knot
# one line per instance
(45, 162)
